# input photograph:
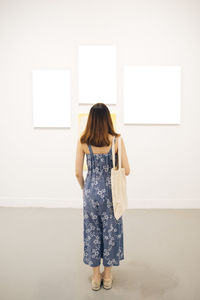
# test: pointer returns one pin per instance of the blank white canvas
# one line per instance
(97, 74)
(51, 98)
(152, 94)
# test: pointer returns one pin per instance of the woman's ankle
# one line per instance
(107, 275)
(96, 274)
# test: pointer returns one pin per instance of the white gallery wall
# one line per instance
(37, 165)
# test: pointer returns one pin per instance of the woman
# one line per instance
(103, 234)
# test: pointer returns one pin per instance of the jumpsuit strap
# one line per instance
(90, 148)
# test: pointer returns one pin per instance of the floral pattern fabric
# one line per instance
(103, 234)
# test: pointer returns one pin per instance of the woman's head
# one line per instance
(99, 125)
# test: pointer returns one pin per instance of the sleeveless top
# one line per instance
(99, 167)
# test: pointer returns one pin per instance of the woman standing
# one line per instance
(103, 234)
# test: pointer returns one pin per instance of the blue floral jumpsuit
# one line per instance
(103, 234)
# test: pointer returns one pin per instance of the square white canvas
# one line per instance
(152, 94)
(97, 76)
(51, 98)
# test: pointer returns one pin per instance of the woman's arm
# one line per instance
(124, 162)
(79, 163)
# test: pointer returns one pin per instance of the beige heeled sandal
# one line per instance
(96, 285)
(107, 283)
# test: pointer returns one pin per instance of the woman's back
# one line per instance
(100, 150)
(104, 154)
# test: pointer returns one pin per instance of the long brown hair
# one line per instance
(99, 125)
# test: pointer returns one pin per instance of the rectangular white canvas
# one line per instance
(51, 98)
(97, 76)
(152, 94)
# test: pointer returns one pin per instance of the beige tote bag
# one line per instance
(118, 183)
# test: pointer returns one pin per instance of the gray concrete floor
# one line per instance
(41, 254)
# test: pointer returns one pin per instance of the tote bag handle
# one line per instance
(119, 152)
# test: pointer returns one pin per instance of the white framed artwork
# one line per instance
(97, 74)
(152, 94)
(51, 91)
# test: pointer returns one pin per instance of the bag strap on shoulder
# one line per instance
(119, 152)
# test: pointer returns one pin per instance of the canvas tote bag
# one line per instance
(118, 183)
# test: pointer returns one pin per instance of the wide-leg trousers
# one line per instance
(103, 234)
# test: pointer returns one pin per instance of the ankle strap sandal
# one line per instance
(96, 285)
(107, 283)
